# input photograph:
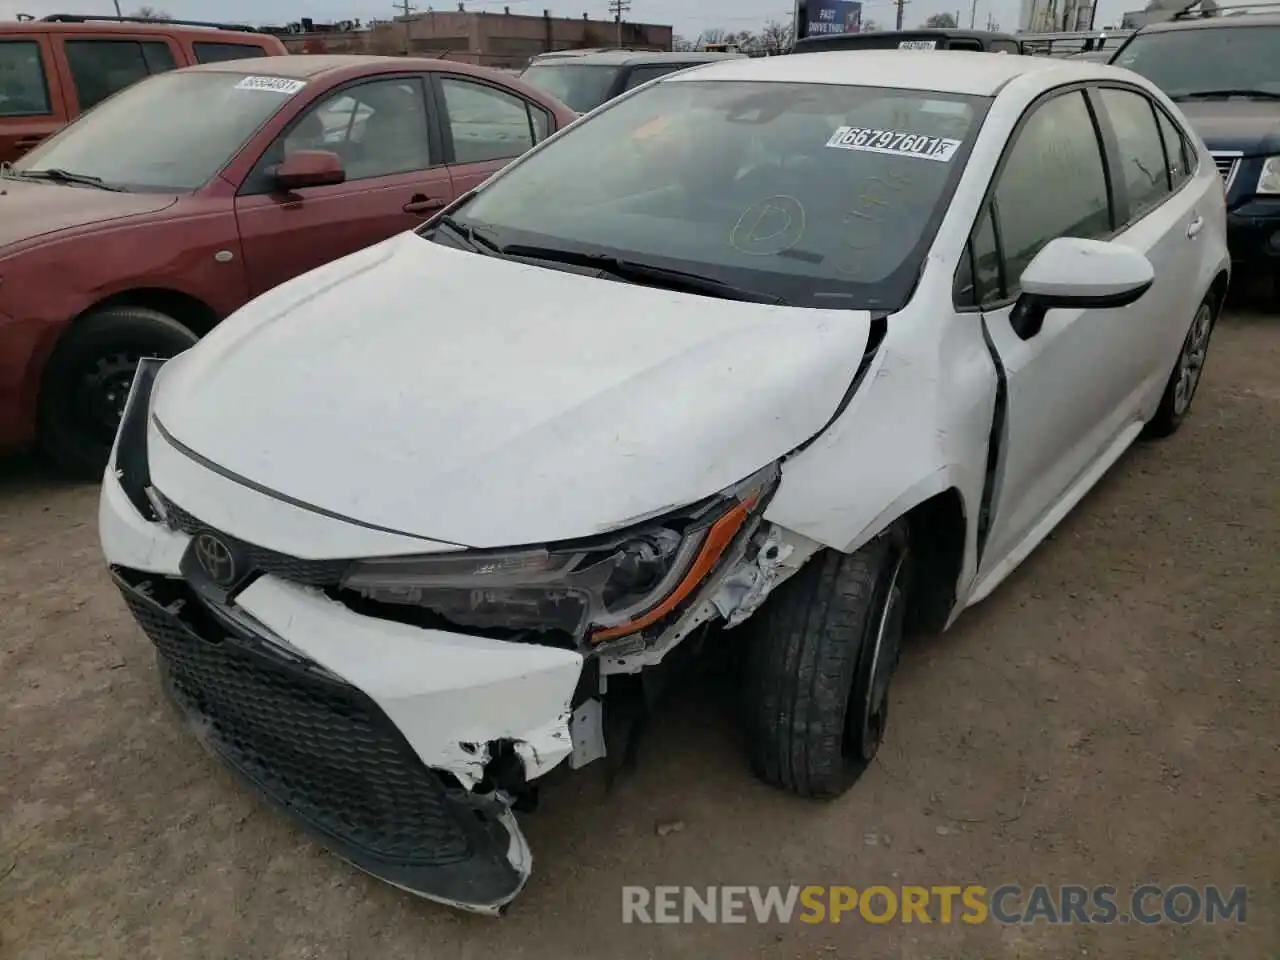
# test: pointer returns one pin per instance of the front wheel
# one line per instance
(88, 379)
(822, 653)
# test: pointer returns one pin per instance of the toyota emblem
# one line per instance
(216, 559)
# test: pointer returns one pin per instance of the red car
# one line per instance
(138, 227)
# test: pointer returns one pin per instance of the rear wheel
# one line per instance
(822, 654)
(1185, 378)
(88, 379)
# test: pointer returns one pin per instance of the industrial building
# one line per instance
(490, 39)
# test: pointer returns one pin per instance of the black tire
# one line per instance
(1180, 389)
(819, 664)
(87, 382)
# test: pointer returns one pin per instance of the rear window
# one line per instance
(23, 92)
(823, 195)
(218, 52)
(579, 86)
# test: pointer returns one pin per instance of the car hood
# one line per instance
(1250, 126)
(475, 400)
(31, 210)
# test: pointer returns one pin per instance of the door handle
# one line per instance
(421, 204)
(1194, 227)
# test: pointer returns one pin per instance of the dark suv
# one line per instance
(583, 83)
(1221, 69)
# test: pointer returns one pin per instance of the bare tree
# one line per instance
(775, 37)
(943, 20)
(151, 13)
(682, 45)
(712, 35)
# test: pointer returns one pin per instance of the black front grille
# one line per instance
(313, 743)
(1227, 164)
(312, 573)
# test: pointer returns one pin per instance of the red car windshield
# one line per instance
(169, 134)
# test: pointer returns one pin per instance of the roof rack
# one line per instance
(93, 18)
(1070, 42)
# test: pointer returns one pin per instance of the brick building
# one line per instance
(491, 39)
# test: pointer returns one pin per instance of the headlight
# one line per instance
(1269, 178)
(603, 588)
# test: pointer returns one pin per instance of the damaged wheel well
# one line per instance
(936, 529)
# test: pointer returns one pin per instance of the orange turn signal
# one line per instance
(718, 539)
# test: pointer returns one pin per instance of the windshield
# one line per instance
(824, 196)
(1210, 60)
(579, 86)
(171, 133)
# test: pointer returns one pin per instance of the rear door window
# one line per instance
(100, 68)
(1140, 153)
(219, 52)
(23, 89)
(486, 123)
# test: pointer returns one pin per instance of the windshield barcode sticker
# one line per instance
(272, 85)
(917, 44)
(894, 142)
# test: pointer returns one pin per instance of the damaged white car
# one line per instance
(814, 348)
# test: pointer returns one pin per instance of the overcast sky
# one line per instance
(688, 16)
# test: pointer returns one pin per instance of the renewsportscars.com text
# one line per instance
(1007, 904)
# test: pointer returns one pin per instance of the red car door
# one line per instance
(384, 131)
(485, 126)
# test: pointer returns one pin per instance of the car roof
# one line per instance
(309, 66)
(107, 27)
(953, 33)
(943, 71)
(1222, 20)
(619, 58)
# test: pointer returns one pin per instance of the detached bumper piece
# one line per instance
(325, 753)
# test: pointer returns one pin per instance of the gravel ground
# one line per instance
(1107, 716)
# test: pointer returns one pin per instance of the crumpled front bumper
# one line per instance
(376, 736)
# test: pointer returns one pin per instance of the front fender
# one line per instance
(919, 425)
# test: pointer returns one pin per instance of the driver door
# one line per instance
(385, 133)
(1071, 385)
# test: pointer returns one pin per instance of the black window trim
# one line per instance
(988, 198)
(44, 78)
(437, 78)
(240, 45)
(257, 181)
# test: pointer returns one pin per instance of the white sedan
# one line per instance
(822, 346)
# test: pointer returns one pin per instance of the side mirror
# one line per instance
(1073, 273)
(310, 168)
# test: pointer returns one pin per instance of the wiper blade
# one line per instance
(470, 234)
(58, 175)
(639, 272)
(1215, 94)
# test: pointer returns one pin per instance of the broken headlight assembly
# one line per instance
(595, 589)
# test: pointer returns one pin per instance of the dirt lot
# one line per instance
(1108, 716)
